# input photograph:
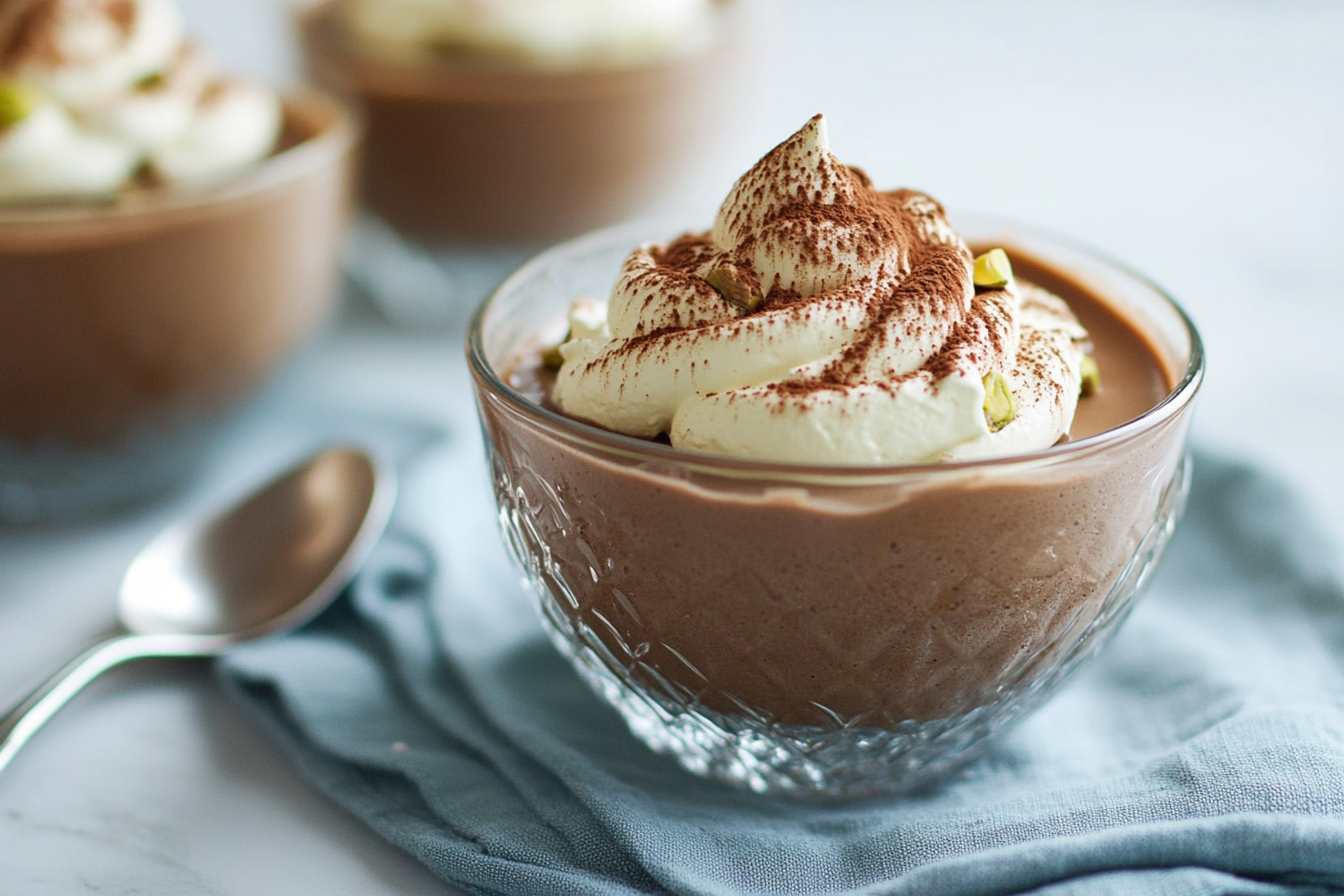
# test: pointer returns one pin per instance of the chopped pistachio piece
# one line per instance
(729, 283)
(1000, 407)
(17, 102)
(1091, 377)
(993, 269)
(552, 359)
(151, 81)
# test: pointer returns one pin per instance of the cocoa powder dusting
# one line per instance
(25, 29)
(29, 28)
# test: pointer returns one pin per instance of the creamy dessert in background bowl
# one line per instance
(527, 120)
(168, 235)
(822, 497)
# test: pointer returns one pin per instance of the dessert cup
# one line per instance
(131, 329)
(825, 630)
(479, 149)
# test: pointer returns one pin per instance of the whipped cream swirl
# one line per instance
(99, 92)
(545, 33)
(822, 321)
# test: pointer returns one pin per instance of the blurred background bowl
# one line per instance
(482, 149)
(131, 330)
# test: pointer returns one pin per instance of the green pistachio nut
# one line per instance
(993, 269)
(152, 81)
(552, 359)
(729, 283)
(1090, 383)
(1000, 407)
(17, 102)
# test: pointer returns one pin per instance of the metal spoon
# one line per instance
(266, 564)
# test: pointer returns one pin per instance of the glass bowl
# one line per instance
(130, 330)
(825, 630)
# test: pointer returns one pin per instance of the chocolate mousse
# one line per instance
(769, 592)
(481, 141)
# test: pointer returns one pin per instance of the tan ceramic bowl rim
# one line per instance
(1177, 400)
(336, 139)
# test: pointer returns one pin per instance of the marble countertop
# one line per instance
(1197, 141)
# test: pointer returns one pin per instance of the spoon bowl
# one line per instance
(301, 536)
(266, 564)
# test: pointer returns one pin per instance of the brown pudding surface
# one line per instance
(850, 599)
(1134, 374)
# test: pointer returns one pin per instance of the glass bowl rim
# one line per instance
(1180, 396)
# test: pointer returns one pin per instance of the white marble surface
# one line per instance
(1198, 141)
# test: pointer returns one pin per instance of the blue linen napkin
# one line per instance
(1202, 752)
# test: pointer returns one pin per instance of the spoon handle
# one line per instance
(23, 721)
